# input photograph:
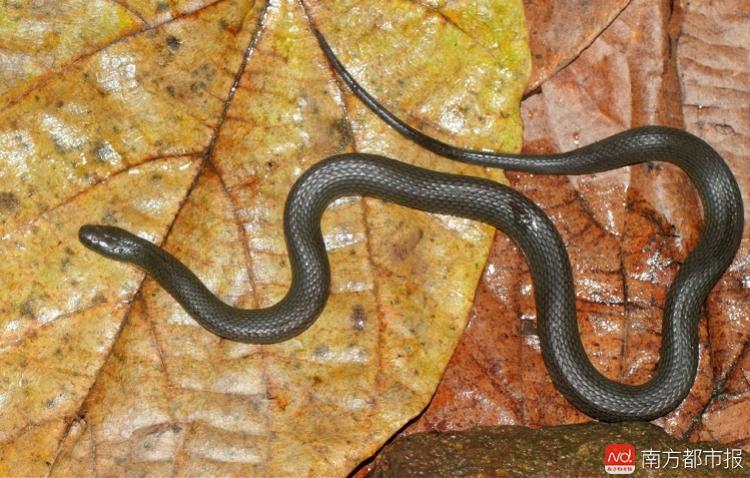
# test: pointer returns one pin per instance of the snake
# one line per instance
(371, 175)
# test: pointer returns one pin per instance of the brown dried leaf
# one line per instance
(193, 126)
(560, 29)
(714, 59)
(625, 231)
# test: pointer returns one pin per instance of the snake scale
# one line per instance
(504, 208)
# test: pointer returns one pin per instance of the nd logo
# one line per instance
(619, 458)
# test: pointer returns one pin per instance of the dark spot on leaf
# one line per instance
(527, 327)
(340, 127)
(173, 43)
(27, 308)
(204, 71)
(403, 248)
(161, 6)
(223, 24)
(358, 317)
(60, 104)
(8, 201)
(197, 86)
(321, 351)
(170, 90)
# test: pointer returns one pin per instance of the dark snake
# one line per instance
(502, 207)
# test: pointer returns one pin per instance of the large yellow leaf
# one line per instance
(192, 125)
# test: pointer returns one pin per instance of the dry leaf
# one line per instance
(626, 232)
(714, 63)
(560, 29)
(191, 122)
(38, 37)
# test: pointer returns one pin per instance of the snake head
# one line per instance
(110, 241)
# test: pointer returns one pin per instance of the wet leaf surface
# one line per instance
(188, 121)
(39, 39)
(626, 232)
(714, 61)
(187, 124)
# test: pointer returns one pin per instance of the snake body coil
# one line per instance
(506, 209)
